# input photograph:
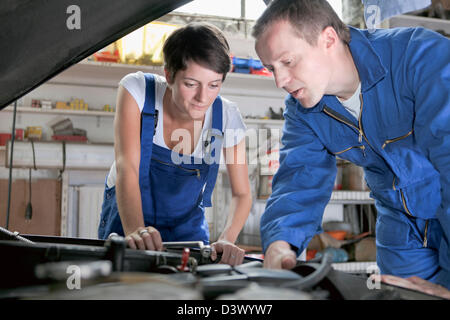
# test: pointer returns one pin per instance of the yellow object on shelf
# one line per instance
(108, 108)
(33, 132)
(74, 104)
(62, 105)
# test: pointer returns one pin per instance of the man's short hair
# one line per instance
(308, 17)
(202, 43)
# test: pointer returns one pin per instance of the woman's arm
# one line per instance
(235, 159)
(127, 156)
(241, 201)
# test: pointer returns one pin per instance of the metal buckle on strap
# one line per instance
(154, 115)
(208, 145)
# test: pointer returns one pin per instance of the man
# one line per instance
(379, 99)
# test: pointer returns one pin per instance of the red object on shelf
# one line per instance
(19, 134)
(69, 138)
(337, 234)
(261, 72)
(107, 56)
(4, 137)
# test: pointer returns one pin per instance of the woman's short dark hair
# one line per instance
(202, 43)
(308, 17)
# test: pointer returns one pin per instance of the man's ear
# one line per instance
(329, 37)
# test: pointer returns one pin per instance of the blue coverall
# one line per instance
(401, 139)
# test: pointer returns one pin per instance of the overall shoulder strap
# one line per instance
(149, 119)
(217, 114)
(215, 145)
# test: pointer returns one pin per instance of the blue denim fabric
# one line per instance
(173, 194)
(400, 245)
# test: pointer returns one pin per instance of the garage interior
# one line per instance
(52, 174)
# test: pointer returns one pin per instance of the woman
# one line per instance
(169, 134)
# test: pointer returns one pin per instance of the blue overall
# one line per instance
(175, 188)
(402, 141)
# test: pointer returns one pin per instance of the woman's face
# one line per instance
(194, 89)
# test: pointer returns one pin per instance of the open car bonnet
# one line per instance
(40, 39)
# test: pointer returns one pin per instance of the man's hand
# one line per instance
(414, 283)
(279, 255)
(231, 254)
(145, 239)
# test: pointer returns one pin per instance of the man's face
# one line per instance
(301, 69)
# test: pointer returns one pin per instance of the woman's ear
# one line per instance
(168, 76)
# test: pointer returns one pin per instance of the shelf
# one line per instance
(21, 109)
(346, 197)
(357, 267)
(108, 75)
(351, 197)
(52, 154)
(415, 21)
(87, 71)
(264, 121)
(129, 68)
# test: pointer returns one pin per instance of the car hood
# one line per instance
(39, 39)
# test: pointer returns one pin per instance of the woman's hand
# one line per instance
(145, 239)
(231, 254)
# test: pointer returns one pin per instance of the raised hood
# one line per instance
(39, 39)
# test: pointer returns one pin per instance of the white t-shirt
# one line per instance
(233, 125)
(353, 104)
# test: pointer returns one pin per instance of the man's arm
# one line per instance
(301, 189)
(428, 73)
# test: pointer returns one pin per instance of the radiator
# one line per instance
(90, 199)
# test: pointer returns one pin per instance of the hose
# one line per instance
(315, 277)
(8, 235)
(13, 136)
